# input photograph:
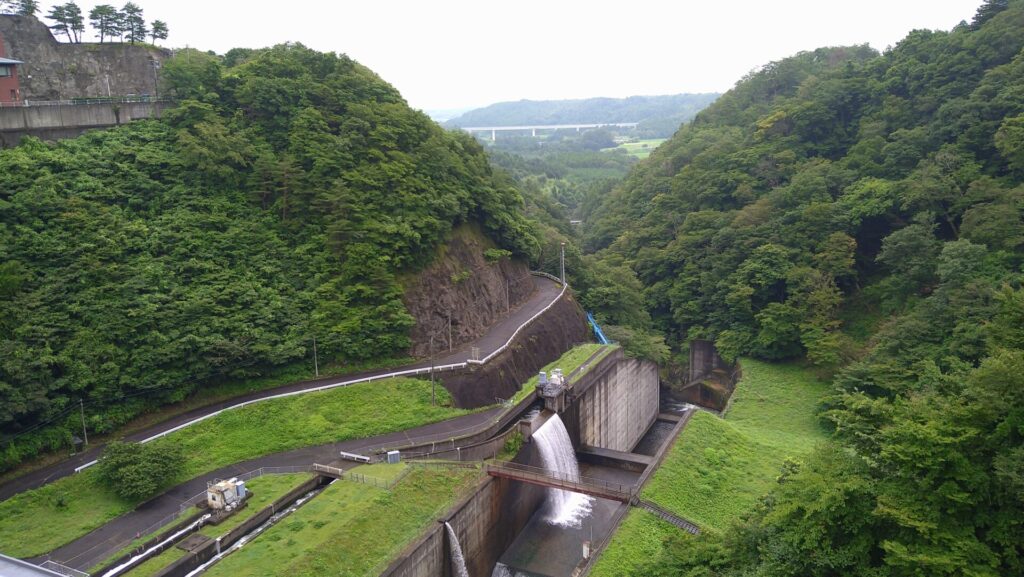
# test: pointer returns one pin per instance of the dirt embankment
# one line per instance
(464, 290)
(541, 342)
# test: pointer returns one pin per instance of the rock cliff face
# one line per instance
(463, 287)
(542, 341)
(60, 71)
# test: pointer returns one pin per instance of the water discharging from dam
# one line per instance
(458, 560)
(564, 508)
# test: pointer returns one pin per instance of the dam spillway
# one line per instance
(564, 508)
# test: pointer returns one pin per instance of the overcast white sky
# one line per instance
(468, 53)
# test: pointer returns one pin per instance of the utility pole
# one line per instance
(433, 396)
(449, 331)
(81, 412)
(316, 363)
(563, 263)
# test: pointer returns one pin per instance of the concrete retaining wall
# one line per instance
(486, 523)
(617, 405)
(53, 122)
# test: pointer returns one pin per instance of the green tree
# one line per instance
(1010, 142)
(75, 21)
(131, 22)
(158, 30)
(104, 18)
(136, 471)
(59, 14)
(26, 7)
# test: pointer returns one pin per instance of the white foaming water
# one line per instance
(564, 508)
(503, 570)
(458, 561)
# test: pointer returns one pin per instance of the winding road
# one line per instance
(545, 294)
(87, 551)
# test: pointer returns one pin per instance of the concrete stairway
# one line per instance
(668, 516)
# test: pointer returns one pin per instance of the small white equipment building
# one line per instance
(225, 495)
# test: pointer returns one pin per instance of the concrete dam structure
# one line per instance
(609, 406)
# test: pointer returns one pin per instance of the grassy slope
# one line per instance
(31, 523)
(718, 468)
(568, 362)
(350, 529)
(265, 489)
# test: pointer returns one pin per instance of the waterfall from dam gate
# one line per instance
(458, 560)
(564, 508)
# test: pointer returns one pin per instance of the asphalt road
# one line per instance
(546, 291)
(81, 554)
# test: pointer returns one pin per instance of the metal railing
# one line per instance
(85, 101)
(391, 375)
(63, 569)
(515, 334)
(105, 550)
(668, 516)
(386, 484)
(576, 483)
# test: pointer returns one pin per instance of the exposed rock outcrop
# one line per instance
(60, 71)
(463, 286)
(542, 341)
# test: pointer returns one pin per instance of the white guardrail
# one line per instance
(405, 373)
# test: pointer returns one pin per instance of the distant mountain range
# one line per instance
(656, 114)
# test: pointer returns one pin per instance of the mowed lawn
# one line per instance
(350, 529)
(36, 522)
(719, 468)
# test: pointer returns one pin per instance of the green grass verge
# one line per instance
(33, 522)
(382, 471)
(264, 489)
(350, 529)
(718, 468)
(637, 543)
(568, 362)
(209, 395)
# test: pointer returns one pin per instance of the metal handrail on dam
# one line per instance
(576, 483)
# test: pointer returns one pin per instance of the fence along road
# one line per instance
(497, 340)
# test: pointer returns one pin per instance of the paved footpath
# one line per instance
(545, 293)
(81, 553)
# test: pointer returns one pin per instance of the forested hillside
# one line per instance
(275, 204)
(862, 211)
(659, 116)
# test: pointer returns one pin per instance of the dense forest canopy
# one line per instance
(864, 211)
(659, 116)
(276, 203)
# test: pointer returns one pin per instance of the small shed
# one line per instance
(225, 494)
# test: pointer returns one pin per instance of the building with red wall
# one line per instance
(10, 88)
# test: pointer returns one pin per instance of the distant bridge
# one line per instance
(533, 128)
